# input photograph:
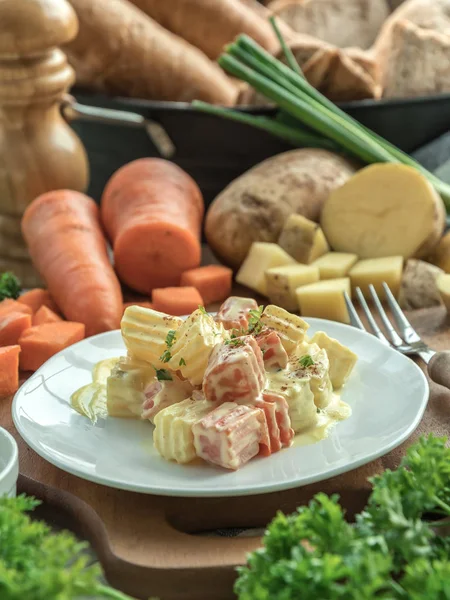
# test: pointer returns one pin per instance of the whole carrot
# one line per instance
(66, 243)
(152, 211)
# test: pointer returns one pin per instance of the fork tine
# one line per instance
(373, 324)
(395, 338)
(354, 317)
(410, 336)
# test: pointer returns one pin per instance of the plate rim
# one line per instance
(263, 488)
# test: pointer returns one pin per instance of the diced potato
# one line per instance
(419, 285)
(342, 359)
(261, 257)
(325, 299)
(443, 283)
(283, 281)
(375, 271)
(290, 328)
(303, 239)
(334, 265)
(384, 210)
(441, 254)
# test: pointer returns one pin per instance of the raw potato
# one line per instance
(303, 239)
(384, 210)
(334, 265)
(282, 282)
(443, 283)
(262, 256)
(441, 254)
(325, 299)
(342, 359)
(255, 206)
(375, 271)
(419, 287)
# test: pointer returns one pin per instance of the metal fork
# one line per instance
(409, 342)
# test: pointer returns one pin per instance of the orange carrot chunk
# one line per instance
(37, 298)
(7, 306)
(9, 370)
(66, 243)
(41, 342)
(144, 304)
(213, 282)
(45, 315)
(177, 300)
(12, 325)
(152, 212)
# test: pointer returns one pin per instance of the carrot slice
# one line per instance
(177, 300)
(152, 211)
(9, 370)
(67, 245)
(213, 282)
(144, 304)
(41, 342)
(37, 298)
(9, 305)
(12, 325)
(45, 315)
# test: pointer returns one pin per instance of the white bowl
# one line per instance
(9, 464)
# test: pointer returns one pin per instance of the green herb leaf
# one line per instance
(162, 374)
(182, 362)
(165, 356)
(306, 361)
(170, 338)
(235, 342)
(202, 309)
(254, 321)
(9, 286)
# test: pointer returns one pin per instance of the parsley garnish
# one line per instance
(182, 362)
(162, 374)
(235, 342)
(202, 309)
(165, 356)
(254, 321)
(9, 286)
(306, 361)
(170, 338)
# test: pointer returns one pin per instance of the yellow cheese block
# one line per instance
(325, 299)
(334, 265)
(443, 284)
(375, 271)
(261, 257)
(283, 281)
(303, 239)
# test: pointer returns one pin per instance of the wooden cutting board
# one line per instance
(147, 544)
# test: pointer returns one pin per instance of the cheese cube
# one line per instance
(283, 281)
(261, 257)
(375, 271)
(334, 265)
(325, 299)
(303, 239)
(342, 359)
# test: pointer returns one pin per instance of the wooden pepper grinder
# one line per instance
(38, 150)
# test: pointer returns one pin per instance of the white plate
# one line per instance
(388, 394)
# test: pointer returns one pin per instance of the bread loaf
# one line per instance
(122, 51)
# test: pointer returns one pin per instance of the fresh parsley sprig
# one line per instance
(306, 361)
(9, 286)
(254, 321)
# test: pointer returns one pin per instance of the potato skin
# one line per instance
(254, 207)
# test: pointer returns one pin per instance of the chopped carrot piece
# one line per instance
(37, 298)
(144, 304)
(176, 300)
(9, 305)
(9, 370)
(12, 325)
(213, 282)
(41, 342)
(45, 315)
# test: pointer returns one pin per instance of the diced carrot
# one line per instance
(9, 370)
(45, 315)
(213, 282)
(41, 342)
(12, 325)
(176, 300)
(37, 298)
(144, 304)
(8, 305)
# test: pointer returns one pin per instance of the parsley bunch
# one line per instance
(38, 565)
(393, 551)
(9, 286)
